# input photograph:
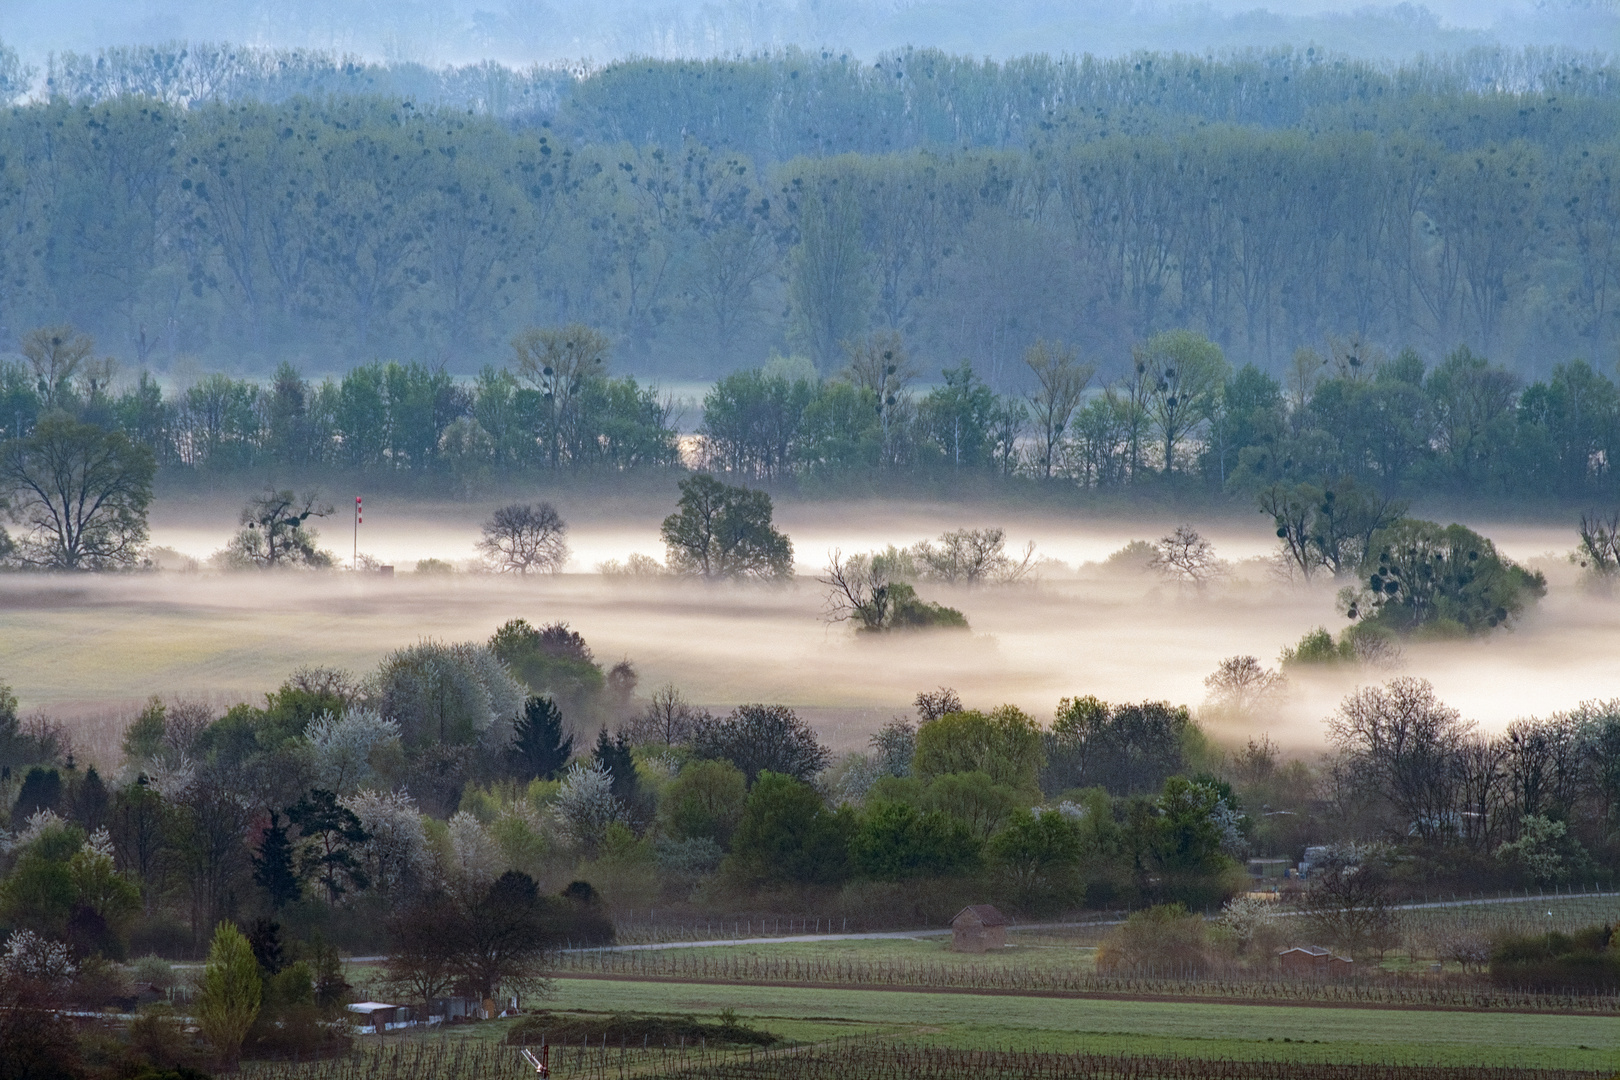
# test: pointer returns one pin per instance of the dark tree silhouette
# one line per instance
(541, 746)
(273, 868)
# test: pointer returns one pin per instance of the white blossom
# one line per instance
(31, 956)
(585, 805)
(396, 851)
(476, 857)
(100, 844)
(36, 825)
(172, 779)
(343, 746)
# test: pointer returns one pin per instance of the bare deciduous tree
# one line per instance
(860, 589)
(273, 533)
(1599, 550)
(933, 704)
(1403, 742)
(1187, 557)
(972, 557)
(1241, 685)
(1350, 905)
(857, 590)
(522, 538)
(668, 720)
(1482, 789)
(1543, 763)
(1060, 382)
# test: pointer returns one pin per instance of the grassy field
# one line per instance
(1183, 1028)
(1034, 949)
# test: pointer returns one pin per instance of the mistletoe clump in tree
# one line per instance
(273, 534)
(1440, 581)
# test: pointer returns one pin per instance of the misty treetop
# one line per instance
(704, 213)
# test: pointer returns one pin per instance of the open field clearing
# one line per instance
(1181, 1028)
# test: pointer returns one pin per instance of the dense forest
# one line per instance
(231, 210)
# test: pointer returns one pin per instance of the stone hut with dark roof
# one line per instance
(978, 928)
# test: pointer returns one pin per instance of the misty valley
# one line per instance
(734, 558)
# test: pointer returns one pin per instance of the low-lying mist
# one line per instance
(88, 650)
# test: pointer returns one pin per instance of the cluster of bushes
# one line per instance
(1587, 960)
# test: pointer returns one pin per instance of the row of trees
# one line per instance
(552, 405)
(1356, 415)
(1083, 200)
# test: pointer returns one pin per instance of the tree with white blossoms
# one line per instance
(343, 746)
(35, 826)
(1252, 923)
(449, 694)
(39, 959)
(475, 858)
(585, 806)
(98, 884)
(1230, 822)
(395, 853)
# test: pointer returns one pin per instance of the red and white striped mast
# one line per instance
(354, 562)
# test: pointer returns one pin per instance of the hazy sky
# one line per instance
(515, 31)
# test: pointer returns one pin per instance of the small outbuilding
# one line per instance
(376, 1017)
(1314, 960)
(979, 928)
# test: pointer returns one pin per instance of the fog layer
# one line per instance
(93, 648)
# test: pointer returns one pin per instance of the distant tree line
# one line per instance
(381, 416)
(705, 213)
(1183, 415)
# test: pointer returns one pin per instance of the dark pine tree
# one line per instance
(41, 790)
(273, 866)
(264, 937)
(334, 832)
(614, 755)
(540, 745)
(91, 803)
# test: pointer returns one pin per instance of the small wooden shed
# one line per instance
(978, 928)
(1314, 960)
(376, 1017)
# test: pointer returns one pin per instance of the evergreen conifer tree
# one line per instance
(614, 755)
(540, 744)
(273, 866)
